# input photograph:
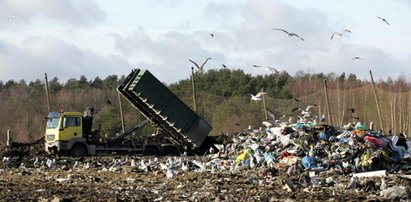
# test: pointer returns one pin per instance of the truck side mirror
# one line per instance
(64, 122)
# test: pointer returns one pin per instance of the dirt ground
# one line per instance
(93, 180)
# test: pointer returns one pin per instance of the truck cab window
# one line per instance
(53, 122)
(72, 121)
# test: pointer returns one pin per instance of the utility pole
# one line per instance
(121, 112)
(48, 94)
(194, 90)
(376, 100)
(328, 103)
(265, 108)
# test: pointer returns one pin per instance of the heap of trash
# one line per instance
(310, 155)
(290, 160)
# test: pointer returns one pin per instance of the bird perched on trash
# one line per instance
(170, 172)
(353, 183)
(51, 163)
(184, 167)
(133, 163)
(36, 162)
(384, 184)
(323, 119)
(6, 160)
(383, 19)
(76, 164)
(290, 34)
(256, 97)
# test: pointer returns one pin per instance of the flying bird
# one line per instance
(340, 33)
(290, 34)
(271, 69)
(335, 33)
(212, 35)
(384, 20)
(357, 58)
(297, 100)
(200, 68)
(108, 101)
(256, 97)
(224, 65)
(351, 109)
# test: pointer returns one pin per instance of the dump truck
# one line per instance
(179, 129)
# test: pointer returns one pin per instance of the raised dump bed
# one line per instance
(164, 109)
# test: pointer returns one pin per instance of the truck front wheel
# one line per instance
(78, 151)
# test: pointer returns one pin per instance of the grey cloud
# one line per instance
(169, 53)
(38, 55)
(77, 12)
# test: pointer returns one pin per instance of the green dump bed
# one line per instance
(164, 109)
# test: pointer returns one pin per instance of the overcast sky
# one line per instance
(70, 38)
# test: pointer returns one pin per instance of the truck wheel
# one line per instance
(151, 151)
(78, 151)
(171, 151)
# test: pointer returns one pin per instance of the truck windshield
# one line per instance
(53, 120)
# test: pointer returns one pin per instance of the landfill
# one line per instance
(281, 161)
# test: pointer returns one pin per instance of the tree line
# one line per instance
(222, 99)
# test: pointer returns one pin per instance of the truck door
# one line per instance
(71, 128)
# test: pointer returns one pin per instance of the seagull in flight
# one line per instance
(384, 20)
(340, 33)
(351, 109)
(256, 97)
(200, 68)
(305, 112)
(212, 35)
(290, 34)
(271, 69)
(357, 58)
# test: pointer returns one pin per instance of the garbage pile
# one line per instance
(301, 161)
(300, 147)
(311, 155)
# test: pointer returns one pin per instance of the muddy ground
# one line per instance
(95, 180)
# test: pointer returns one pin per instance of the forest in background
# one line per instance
(222, 99)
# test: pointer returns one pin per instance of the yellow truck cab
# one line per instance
(65, 133)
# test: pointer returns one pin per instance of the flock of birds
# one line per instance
(170, 166)
(289, 34)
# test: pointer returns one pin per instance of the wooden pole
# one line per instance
(121, 113)
(47, 94)
(194, 90)
(376, 100)
(265, 107)
(9, 140)
(328, 102)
